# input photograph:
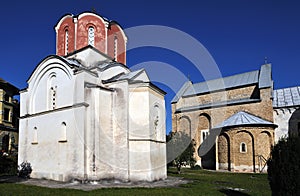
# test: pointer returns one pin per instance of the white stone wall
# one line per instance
(281, 118)
(93, 131)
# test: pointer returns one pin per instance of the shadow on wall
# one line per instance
(294, 124)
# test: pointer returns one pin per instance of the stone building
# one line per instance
(9, 108)
(286, 105)
(230, 118)
(85, 115)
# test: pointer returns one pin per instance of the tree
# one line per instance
(284, 167)
(180, 150)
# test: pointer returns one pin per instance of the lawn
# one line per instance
(203, 183)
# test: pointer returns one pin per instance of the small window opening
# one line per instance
(91, 36)
(66, 42)
(243, 148)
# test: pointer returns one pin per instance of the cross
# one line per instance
(266, 60)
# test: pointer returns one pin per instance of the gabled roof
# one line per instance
(223, 83)
(243, 119)
(131, 76)
(262, 78)
(286, 97)
(181, 92)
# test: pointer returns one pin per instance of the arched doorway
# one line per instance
(224, 152)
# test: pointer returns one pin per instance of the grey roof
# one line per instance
(125, 76)
(181, 91)
(223, 83)
(243, 118)
(286, 97)
(131, 75)
(73, 62)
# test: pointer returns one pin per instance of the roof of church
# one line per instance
(286, 97)
(261, 77)
(243, 118)
(223, 83)
(8, 87)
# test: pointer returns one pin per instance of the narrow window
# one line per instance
(91, 36)
(53, 97)
(6, 114)
(204, 135)
(34, 136)
(52, 92)
(66, 42)
(63, 132)
(243, 148)
(115, 47)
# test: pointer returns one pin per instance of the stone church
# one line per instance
(230, 118)
(85, 115)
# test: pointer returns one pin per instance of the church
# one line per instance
(230, 119)
(85, 115)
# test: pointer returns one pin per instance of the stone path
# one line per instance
(169, 182)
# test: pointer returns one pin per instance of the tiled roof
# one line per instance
(286, 97)
(243, 118)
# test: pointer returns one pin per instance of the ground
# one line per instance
(190, 182)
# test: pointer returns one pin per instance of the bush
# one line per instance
(8, 164)
(24, 170)
(180, 148)
(196, 167)
(284, 167)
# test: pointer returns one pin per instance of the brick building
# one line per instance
(9, 108)
(231, 119)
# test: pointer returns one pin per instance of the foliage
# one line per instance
(284, 167)
(180, 149)
(8, 164)
(24, 170)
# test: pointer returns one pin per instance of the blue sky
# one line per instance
(238, 34)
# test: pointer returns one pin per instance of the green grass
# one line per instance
(203, 183)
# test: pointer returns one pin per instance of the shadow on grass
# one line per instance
(233, 192)
(11, 179)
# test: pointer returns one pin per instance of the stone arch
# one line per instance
(65, 24)
(264, 144)
(208, 160)
(224, 152)
(185, 125)
(294, 123)
(116, 42)
(245, 158)
(203, 127)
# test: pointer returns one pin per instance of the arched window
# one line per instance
(243, 147)
(34, 136)
(91, 36)
(52, 92)
(63, 132)
(66, 42)
(115, 47)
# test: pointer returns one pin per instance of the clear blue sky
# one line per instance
(239, 34)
